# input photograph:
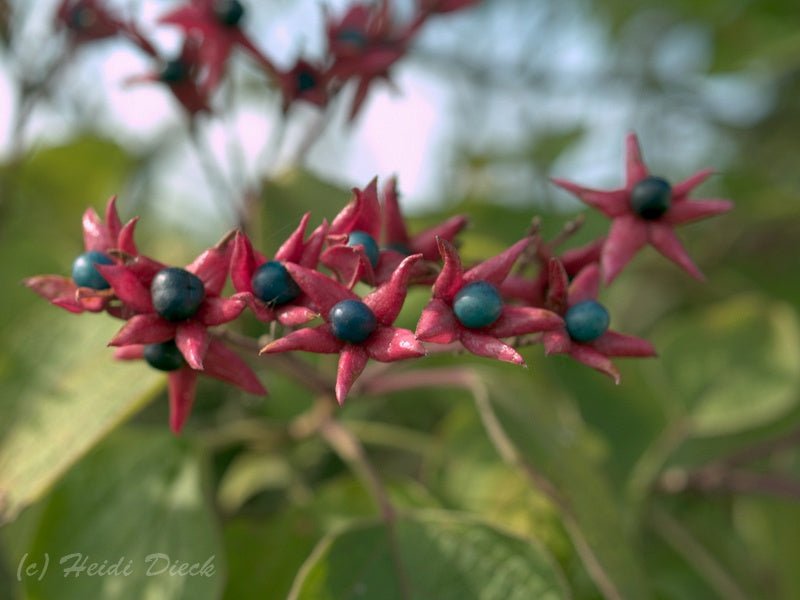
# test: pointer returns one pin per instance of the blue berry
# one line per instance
(176, 293)
(273, 284)
(586, 321)
(352, 321)
(81, 18)
(229, 12)
(651, 197)
(362, 238)
(164, 356)
(305, 81)
(352, 36)
(85, 275)
(173, 71)
(478, 304)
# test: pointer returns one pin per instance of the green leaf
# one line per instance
(736, 364)
(554, 443)
(264, 555)
(431, 555)
(62, 392)
(137, 502)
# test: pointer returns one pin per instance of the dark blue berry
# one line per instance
(176, 293)
(362, 238)
(305, 81)
(173, 71)
(273, 284)
(229, 12)
(352, 36)
(352, 321)
(586, 321)
(81, 18)
(478, 304)
(164, 356)
(651, 197)
(85, 275)
(400, 247)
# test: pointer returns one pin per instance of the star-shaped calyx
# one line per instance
(467, 307)
(218, 25)
(173, 303)
(532, 291)
(584, 333)
(646, 211)
(180, 75)
(274, 294)
(87, 289)
(358, 329)
(220, 363)
(369, 239)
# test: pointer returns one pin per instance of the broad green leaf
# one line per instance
(264, 554)
(430, 555)
(736, 364)
(554, 442)
(468, 474)
(287, 197)
(61, 393)
(135, 502)
(771, 527)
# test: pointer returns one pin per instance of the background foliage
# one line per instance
(671, 485)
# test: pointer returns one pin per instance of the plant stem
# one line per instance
(704, 563)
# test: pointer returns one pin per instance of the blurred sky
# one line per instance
(487, 80)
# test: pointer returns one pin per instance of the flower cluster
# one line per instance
(171, 313)
(362, 46)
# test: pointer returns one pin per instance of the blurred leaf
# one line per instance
(84, 171)
(771, 526)
(469, 476)
(736, 364)
(138, 499)
(264, 555)
(555, 443)
(440, 556)
(62, 392)
(287, 197)
(250, 473)
(546, 147)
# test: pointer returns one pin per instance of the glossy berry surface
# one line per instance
(651, 197)
(81, 18)
(353, 37)
(478, 304)
(586, 321)
(362, 238)
(85, 275)
(164, 356)
(273, 284)
(229, 12)
(173, 71)
(176, 293)
(305, 81)
(352, 321)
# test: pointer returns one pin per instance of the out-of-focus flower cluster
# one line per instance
(362, 46)
(308, 289)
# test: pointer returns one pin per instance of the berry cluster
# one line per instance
(362, 46)
(484, 309)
